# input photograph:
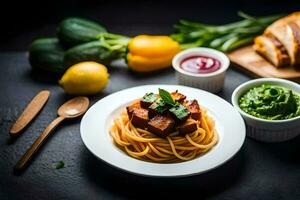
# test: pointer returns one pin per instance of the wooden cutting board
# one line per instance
(248, 61)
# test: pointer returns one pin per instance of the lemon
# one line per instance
(85, 78)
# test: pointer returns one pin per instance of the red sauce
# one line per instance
(200, 64)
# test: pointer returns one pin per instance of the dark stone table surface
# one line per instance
(258, 171)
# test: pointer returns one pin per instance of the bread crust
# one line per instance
(287, 31)
(272, 50)
(294, 29)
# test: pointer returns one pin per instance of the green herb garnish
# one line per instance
(149, 97)
(159, 106)
(166, 101)
(180, 111)
(60, 165)
(166, 97)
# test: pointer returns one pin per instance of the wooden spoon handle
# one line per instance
(23, 162)
(32, 109)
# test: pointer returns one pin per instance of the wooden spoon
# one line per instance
(71, 109)
(31, 110)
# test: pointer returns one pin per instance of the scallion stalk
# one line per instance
(222, 37)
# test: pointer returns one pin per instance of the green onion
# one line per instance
(222, 37)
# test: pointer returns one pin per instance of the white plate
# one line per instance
(96, 122)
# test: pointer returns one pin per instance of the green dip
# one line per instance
(271, 102)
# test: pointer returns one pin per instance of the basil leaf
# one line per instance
(149, 97)
(166, 97)
(181, 112)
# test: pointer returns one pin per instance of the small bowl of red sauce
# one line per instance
(202, 68)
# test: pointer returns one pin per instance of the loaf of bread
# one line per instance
(280, 43)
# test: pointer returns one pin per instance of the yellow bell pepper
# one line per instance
(148, 53)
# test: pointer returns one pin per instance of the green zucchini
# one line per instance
(74, 31)
(47, 54)
(92, 51)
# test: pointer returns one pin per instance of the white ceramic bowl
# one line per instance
(268, 130)
(212, 82)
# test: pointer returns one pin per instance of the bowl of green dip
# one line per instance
(270, 108)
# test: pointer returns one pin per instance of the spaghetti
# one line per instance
(144, 145)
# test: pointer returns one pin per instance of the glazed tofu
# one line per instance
(161, 125)
(140, 118)
(131, 108)
(194, 108)
(178, 96)
(148, 99)
(145, 104)
(152, 110)
(187, 127)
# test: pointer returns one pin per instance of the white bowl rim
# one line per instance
(225, 62)
(234, 98)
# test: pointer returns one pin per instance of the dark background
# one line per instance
(22, 21)
(258, 171)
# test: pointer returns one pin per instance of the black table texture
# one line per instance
(258, 171)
